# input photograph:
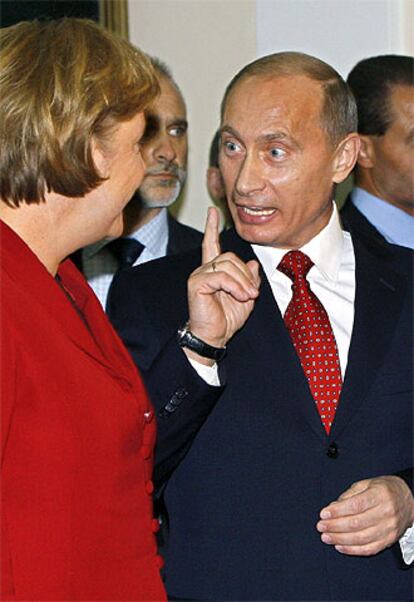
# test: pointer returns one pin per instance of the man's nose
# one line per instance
(249, 179)
(164, 149)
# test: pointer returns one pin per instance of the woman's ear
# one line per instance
(99, 158)
(346, 155)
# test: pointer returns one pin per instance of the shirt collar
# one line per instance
(153, 232)
(149, 235)
(393, 223)
(325, 250)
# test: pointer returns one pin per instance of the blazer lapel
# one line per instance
(22, 265)
(379, 298)
(97, 337)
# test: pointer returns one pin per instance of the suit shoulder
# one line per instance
(160, 273)
(386, 255)
(182, 237)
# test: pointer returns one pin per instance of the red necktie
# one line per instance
(312, 336)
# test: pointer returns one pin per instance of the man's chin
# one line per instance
(159, 201)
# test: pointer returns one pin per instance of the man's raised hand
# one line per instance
(222, 291)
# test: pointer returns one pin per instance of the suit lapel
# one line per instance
(379, 298)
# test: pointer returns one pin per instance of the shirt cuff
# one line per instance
(208, 373)
(407, 545)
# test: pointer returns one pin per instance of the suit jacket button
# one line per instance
(148, 416)
(332, 451)
(146, 451)
(149, 487)
(181, 393)
(159, 561)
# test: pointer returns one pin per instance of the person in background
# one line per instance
(150, 231)
(77, 426)
(298, 485)
(382, 202)
(215, 185)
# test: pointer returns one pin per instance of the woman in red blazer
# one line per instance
(77, 427)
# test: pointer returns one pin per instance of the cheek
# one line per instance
(229, 175)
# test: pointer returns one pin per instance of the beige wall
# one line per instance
(205, 42)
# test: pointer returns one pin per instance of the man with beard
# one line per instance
(150, 231)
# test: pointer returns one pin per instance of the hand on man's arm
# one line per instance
(371, 515)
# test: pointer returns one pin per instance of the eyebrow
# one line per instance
(271, 137)
(179, 121)
(226, 129)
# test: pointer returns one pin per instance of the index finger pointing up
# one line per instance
(211, 243)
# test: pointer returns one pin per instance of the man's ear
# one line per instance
(366, 157)
(346, 155)
(215, 183)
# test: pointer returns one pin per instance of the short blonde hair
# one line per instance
(63, 82)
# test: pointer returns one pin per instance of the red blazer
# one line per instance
(77, 438)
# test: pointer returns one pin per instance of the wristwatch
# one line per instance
(186, 339)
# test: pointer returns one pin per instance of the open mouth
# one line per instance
(258, 211)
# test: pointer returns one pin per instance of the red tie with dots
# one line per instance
(313, 338)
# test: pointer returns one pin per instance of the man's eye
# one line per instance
(177, 131)
(277, 153)
(231, 147)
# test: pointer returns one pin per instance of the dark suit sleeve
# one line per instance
(182, 400)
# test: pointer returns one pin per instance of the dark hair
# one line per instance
(339, 113)
(371, 81)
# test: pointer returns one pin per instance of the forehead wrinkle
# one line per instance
(277, 136)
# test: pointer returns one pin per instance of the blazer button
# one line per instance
(148, 416)
(159, 561)
(146, 451)
(332, 451)
(149, 487)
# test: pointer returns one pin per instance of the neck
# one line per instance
(363, 179)
(36, 226)
(136, 216)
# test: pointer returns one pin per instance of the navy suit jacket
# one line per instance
(256, 465)
(354, 221)
(181, 238)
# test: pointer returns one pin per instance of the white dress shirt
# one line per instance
(99, 264)
(332, 279)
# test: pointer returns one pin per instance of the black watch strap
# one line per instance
(187, 339)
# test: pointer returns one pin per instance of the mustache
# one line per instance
(170, 168)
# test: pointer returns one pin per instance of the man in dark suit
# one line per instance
(293, 405)
(150, 231)
(382, 202)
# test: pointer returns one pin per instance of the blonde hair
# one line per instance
(62, 83)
